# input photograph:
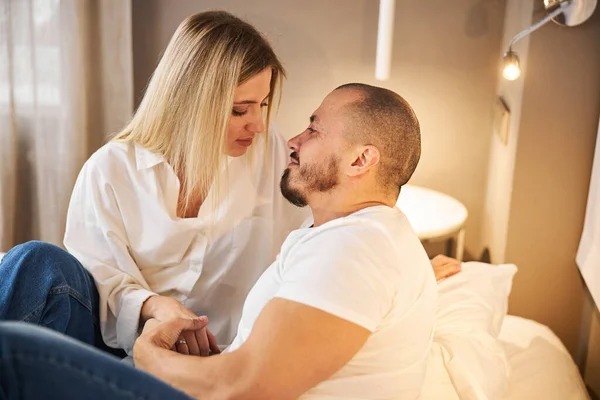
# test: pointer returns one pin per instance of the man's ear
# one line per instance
(366, 157)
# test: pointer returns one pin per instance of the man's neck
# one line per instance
(327, 207)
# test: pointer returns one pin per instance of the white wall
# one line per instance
(502, 156)
(444, 64)
(538, 184)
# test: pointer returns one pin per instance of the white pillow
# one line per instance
(475, 299)
(471, 307)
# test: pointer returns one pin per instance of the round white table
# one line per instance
(435, 216)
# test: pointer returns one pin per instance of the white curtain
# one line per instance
(65, 84)
(588, 255)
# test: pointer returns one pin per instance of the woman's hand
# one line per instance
(199, 343)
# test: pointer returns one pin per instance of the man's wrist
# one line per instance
(145, 357)
(154, 360)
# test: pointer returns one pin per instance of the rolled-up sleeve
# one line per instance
(95, 235)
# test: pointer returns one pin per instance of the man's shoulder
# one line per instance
(382, 237)
(346, 235)
(370, 223)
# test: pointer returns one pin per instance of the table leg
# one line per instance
(450, 247)
(460, 245)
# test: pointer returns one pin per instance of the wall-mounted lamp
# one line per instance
(563, 12)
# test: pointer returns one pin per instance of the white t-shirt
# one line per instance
(123, 227)
(370, 269)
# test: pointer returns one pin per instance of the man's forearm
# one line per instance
(212, 378)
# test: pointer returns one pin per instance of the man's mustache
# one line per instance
(294, 156)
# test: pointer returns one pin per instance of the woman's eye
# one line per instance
(238, 113)
(264, 105)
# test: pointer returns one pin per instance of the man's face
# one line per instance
(318, 152)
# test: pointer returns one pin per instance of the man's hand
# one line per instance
(444, 266)
(166, 334)
(158, 336)
(199, 342)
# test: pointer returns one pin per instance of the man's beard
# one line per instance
(312, 178)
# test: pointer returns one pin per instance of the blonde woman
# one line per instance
(180, 213)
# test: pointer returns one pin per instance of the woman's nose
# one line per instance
(257, 123)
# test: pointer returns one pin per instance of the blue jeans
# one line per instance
(37, 363)
(44, 285)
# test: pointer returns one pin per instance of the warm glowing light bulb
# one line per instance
(511, 72)
(512, 69)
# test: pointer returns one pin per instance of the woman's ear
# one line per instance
(366, 158)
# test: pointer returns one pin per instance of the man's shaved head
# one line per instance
(382, 118)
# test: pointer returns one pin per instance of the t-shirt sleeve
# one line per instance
(337, 271)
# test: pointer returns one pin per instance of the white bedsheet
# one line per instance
(541, 367)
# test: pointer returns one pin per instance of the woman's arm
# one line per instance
(95, 235)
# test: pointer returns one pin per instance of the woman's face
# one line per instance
(247, 113)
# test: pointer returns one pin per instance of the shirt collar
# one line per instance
(145, 159)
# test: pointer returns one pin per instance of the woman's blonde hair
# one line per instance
(186, 109)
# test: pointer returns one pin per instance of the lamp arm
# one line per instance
(536, 26)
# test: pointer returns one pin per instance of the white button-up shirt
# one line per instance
(123, 227)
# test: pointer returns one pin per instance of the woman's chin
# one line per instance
(236, 151)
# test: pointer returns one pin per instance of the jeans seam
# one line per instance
(36, 310)
(90, 377)
(64, 289)
(76, 295)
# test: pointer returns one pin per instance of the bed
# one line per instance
(538, 366)
(479, 352)
(541, 367)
